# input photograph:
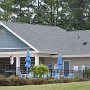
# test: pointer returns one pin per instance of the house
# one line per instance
(44, 42)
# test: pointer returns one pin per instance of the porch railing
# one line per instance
(68, 73)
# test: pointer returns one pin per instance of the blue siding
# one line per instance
(8, 40)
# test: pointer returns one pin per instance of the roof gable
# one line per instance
(8, 40)
(15, 34)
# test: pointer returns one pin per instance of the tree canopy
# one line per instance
(67, 14)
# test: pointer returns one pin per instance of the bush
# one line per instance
(17, 81)
(51, 81)
(87, 72)
(27, 81)
(37, 81)
(75, 79)
(83, 79)
(66, 80)
(4, 81)
(39, 70)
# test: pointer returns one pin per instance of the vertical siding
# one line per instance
(8, 40)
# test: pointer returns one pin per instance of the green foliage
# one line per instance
(17, 81)
(37, 81)
(67, 14)
(87, 70)
(42, 69)
(76, 79)
(39, 70)
(4, 81)
(53, 80)
(66, 80)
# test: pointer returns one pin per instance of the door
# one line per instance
(66, 68)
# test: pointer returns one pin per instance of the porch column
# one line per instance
(36, 59)
(17, 65)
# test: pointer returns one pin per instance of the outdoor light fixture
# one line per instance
(84, 43)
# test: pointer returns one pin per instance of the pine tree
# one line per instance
(6, 5)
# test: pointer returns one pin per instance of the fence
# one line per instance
(55, 73)
(68, 73)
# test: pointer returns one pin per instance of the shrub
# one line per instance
(34, 69)
(17, 81)
(83, 79)
(4, 81)
(37, 81)
(66, 80)
(87, 72)
(39, 70)
(75, 79)
(51, 81)
(27, 81)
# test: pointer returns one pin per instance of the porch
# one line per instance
(19, 61)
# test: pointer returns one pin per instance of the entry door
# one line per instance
(66, 68)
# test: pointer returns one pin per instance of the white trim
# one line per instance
(48, 52)
(75, 56)
(13, 48)
(18, 36)
(71, 56)
(36, 59)
(15, 54)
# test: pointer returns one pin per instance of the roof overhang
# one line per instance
(73, 56)
(40, 54)
(24, 41)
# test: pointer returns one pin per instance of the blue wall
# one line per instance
(8, 40)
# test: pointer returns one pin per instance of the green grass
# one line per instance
(60, 86)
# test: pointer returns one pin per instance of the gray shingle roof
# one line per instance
(49, 38)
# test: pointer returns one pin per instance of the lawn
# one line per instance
(60, 86)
